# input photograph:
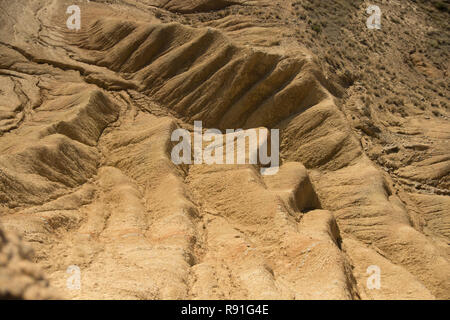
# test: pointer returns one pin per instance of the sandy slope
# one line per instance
(86, 177)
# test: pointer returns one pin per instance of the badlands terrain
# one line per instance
(87, 180)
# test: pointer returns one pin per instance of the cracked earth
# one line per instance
(86, 176)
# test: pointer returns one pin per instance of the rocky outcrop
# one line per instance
(87, 180)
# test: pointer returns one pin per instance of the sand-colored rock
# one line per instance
(87, 180)
(20, 278)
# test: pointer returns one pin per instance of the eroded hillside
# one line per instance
(87, 179)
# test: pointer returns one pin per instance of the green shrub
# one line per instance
(316, 27)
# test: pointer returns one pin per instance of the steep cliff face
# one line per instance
(87, 179)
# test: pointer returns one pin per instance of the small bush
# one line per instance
(440, 6)
(317, 28)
